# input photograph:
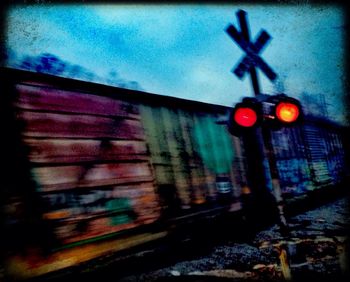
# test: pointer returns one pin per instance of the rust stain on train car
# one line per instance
(34, 265)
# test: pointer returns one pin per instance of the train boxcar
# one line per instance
(310, 156)
(97, 162)
(100, 169)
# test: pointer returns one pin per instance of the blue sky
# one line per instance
(184, 51)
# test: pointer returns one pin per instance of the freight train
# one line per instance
(91, 169)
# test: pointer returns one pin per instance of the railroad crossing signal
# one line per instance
(273, 111)
(252, 58)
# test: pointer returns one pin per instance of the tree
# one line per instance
(314, 104)
(45, 63)
(49, 63)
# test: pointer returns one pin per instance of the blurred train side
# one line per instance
(310, 156)
(99, 167)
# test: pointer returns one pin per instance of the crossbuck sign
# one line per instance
(252, 59)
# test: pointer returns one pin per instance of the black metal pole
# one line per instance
(266, 133)
(254, 81)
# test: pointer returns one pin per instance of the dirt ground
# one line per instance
(316, 248)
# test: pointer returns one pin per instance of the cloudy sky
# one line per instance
(184, 51)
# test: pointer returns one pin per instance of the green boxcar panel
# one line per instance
(213, 143)
(188, 151)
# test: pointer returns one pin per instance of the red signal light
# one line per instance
(245, 117)
(287, 112)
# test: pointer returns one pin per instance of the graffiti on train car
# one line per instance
(294, 176)
(84, 203)
(79, 210)
(88, 160)
(308, 157)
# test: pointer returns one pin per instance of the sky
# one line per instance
(184, 50)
